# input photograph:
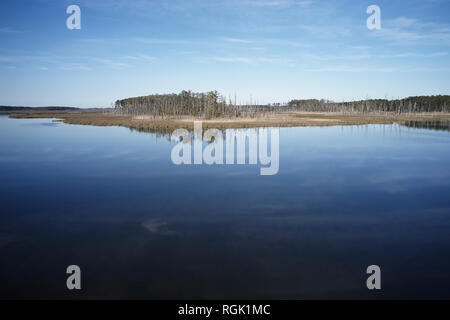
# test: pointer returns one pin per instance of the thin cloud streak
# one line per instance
(281, 3)
(111, 63)
(347, 69)
(247, 60)
(404, 30)
(9, 30)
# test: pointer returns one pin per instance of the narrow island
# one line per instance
(164, 113)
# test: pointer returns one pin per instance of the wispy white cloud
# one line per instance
(404, 22)
(360, 47)
(249, 60)
(414, 54)
(371, 56)
(168, 41)
(401, 36)
(7, 59)
(218, 42)
(74, 67)
(336, 57)
(279, 61)
(28, 56)
(409, 30)
(279, 3)
(267, 42)
(142, 57)
(236, 40)
(325, 30)
(233, 59)
(9, 30)
(350, 69)
(112, 63)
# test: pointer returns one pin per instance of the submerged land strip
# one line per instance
(165, 113)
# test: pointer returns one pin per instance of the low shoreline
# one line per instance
(287, 119)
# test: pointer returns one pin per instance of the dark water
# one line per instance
(111, 201)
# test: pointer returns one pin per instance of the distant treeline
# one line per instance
(407, 105)
(212, 105)
(9, 108)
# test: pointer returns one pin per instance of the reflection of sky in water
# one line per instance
(111, 200)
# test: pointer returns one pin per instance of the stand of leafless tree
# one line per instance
(213, 105)
(205, 105)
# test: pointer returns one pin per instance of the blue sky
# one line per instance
(262, 50)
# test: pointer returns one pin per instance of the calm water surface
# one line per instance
(111, 201)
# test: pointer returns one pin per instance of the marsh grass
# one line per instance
(282, 119)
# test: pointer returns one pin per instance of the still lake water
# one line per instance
(110, 200)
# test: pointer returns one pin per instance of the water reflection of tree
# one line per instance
(435, 125)
(166, 133)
